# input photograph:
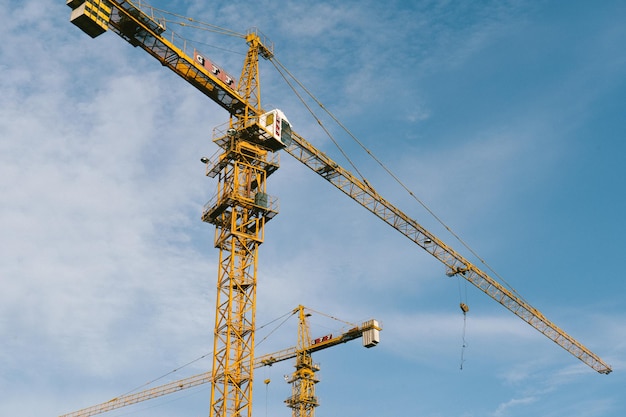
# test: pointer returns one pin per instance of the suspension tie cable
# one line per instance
(332, 138)
(201, 25)
(387, 170)
(287, 315)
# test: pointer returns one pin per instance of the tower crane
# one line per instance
(242, 207)
(302, 401)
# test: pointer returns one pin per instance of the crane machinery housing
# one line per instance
(242, 206)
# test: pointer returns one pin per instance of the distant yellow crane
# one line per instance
(242, 207)
(303, 399)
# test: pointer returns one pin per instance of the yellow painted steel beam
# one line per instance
(455, 263)
(239, 231)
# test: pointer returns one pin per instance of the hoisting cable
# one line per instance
(464, 345)
(385, 168)
(465, 310)
(267, 392)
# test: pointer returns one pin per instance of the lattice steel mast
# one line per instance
(239, 212)
(303, 399)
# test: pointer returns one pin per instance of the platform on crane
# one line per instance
(214, 208)
(218, 162)
(271, 131)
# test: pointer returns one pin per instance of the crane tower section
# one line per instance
(303, 399)
(239, 210)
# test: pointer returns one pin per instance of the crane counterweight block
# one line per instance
(91, 16)
(144, 30)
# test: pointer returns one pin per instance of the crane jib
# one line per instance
(367, 197)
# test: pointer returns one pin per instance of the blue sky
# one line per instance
(506, 118)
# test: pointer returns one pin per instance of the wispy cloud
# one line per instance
(503, 409)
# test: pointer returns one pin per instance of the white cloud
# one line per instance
(100, 264)
(503, 409)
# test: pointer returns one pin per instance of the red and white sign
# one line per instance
(277, 127)
(214, 69)
(323, 339)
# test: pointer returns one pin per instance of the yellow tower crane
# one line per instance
(242, 206)
(303, 399)
(369, 331)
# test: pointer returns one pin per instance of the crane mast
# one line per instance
(239, 213)
(242, 207)
(303, 399)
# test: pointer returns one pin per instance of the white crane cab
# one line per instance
(276, 124)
